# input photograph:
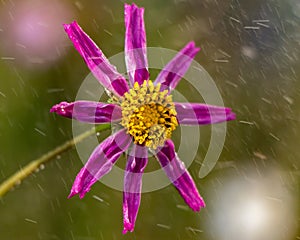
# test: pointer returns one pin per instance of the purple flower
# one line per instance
(144, 112)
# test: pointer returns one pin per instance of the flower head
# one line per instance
(148, 114)
(145, 112)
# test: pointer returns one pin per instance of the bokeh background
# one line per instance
(250, 48)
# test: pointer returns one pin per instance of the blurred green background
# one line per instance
(250, 48)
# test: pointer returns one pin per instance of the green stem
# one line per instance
(35, 164)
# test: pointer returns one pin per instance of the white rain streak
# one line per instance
(194, 230)
(100, 200)
(30, 220)
(40, 132)
(163, 226)
(246, 122)
(55, 90)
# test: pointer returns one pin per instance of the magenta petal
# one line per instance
(100, 162)
(179, 176)
(170, 76)
(198, 114)
(96, 61)
(88, 111)
(135, 44)
(135, 166)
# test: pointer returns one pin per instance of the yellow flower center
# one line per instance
(148, 114)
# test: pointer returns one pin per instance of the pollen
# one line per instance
(148, 114)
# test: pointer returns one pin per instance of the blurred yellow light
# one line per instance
(253, 215)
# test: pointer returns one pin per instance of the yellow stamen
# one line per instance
(148, 114)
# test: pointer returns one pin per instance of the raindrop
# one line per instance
(30, 220)
(163, 226)
(182, 207)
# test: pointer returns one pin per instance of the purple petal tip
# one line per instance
(53, 109)
(133, 5)
(68, 25)
(81, 194)
(193, 46)
(64, 109)
(71, 194)
(128, 227)
(198, 206)
(230, 115)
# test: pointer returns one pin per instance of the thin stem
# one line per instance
(35, 164)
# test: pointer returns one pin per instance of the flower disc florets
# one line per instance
(148, 114)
